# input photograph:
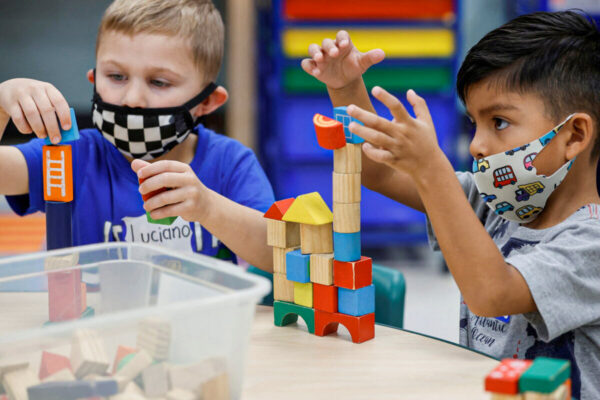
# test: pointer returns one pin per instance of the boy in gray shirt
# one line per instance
(524, 243)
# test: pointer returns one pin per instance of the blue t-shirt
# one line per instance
(108, 207)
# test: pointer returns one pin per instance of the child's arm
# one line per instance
(242, 229)
(33, 107)
(340, 66)
(489, 285)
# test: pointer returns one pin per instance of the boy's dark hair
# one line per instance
(555, 55)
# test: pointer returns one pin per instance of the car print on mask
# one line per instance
(503, 207)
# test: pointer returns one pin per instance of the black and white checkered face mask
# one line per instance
(145, 133)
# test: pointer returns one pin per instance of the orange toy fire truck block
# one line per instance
(505, 377)
(325, 298)
(52, 363)
(361, 328)
(330, 133)
(58, 173)
(353, 274)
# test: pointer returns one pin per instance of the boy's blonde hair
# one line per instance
(197, 21)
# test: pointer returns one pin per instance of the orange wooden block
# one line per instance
(279, 208)
(122, 351)
(52, 363)
(353, 274)
(325, 298)
(569, 389)
(58, 173)
(505, 377)
(330, 133)
(361, 328)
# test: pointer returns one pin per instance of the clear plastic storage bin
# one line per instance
(190, 314)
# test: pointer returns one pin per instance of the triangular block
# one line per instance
(309, 209)
(278, 209)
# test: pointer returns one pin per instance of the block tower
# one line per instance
(320, 275)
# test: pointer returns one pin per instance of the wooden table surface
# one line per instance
(289, 363)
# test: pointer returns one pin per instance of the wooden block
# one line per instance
(146, 197)
(545, 375)
(278, 209)
(217, 388)
(309, 209)
(340, 114)
(330, 133)
(180, 394)
(63, 375)
(361, 328)
(325, 298)
(52, 363)
(504, 379)
(283, 289)
(7, 366)
(297, 266)
(156, 380)
(279, 256)
(122, 351)
(17, 381)
(353, 274)
(499, 396)
(346, 246)
(133, 388)
(346, 217)
(283, 234)
(321, 268)
(68, 135)
(58, 173)
(83, 297)
(346, 188)
(71, 390)
(563, 392)
(64, 295)
(287, 313)
(154, 336)
(356, 302)
(87, 354)
(348, 159)
(190, 377)
(53, 263)
(316, 238)
(138, 363)
(303, 294)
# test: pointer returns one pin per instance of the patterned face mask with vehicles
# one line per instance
(509, 183)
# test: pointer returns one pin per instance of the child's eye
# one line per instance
(158, 83)
(500, 124)
(117, 77)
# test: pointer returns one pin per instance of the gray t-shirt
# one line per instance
(561, 266)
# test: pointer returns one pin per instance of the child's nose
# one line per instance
(134, 96)
(478, 147)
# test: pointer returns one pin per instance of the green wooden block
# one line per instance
(285, 313)
(125, 360)
(162, 221)
(88, 312)
(545, 375)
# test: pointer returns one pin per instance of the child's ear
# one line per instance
(214, 101)
(581, 135)
(90, 76)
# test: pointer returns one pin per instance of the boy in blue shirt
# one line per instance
(520, 234)
(156, 61)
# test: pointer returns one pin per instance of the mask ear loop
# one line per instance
(203, 95)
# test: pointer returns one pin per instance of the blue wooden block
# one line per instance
(297, 266)
(71, 390)
(340, 114)
(346, 246)
(356, 302)
(58, 225)
(67, 136)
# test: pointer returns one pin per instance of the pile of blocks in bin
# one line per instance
(319, 273)
(138, 373)
(540, 379)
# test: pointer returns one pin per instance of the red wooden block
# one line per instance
(353, 274)
(64, 295)
(52, 363)
(505, 377)
(151, 194)
(122, 351)
(330, 133)
(325, 298)
(279, 208)
(569, 389)
(361, 328)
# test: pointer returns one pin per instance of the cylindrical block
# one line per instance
(348, 159)
(316, 238)
(346, 188)
(58, 225)
(346, 217)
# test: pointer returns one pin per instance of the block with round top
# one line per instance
(330, 133)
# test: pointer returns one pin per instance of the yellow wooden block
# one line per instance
(348, 159)
(279, 258)
(394, 42)
(303, 294)
(309, 209)
(346, 217)
(282, 234)
(283, 289)
(346, 188)
(321, 268)
(316, 238)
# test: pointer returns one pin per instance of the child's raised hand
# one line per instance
(338, 63)
(186, 194)
(33, 106)
(404, 143)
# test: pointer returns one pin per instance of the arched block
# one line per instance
(286, 313)
(361, 328)
(330, 133)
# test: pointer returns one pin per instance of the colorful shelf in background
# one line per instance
(372, 9)
(396, 43)
(22, 234)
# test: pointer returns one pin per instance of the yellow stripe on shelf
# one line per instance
(399, 43)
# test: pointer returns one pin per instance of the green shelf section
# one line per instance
(421, 79)
(545, 375)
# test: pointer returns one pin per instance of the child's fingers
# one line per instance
(372, 136)
(136, 165)
(19, 120)
(164, 199)
(46, 110)
(309, 66)
(314, 52)
(33, 117)
(371, 120)
(342, 39)
(60, 106)
(371, 57)
(160, 167)
(330, 48)
(392, 103)
(419, 105)
(163, 180)
(378, 155)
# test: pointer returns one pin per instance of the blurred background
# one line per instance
(272, 101)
